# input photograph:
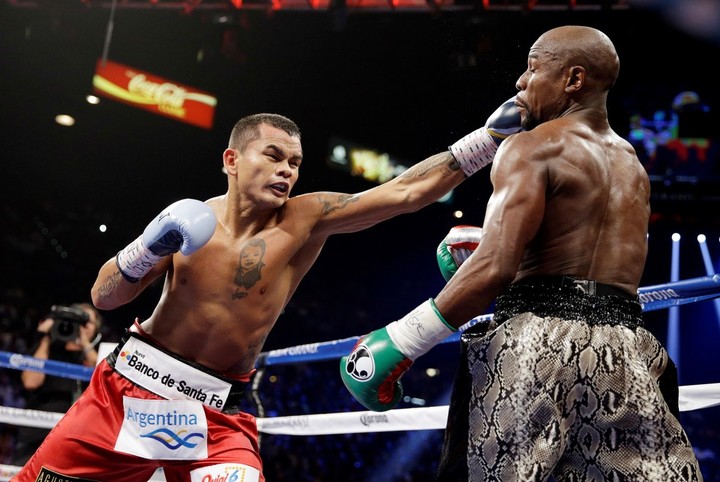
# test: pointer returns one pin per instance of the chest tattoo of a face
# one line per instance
(249, 269)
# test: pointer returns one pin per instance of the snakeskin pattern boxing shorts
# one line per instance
(540, 396)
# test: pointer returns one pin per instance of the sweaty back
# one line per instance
(597, 209)
(597, 200)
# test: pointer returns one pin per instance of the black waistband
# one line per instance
(237, 389)
(570, 298)
(586, 286)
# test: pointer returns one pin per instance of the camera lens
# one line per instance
(67, 322)
(65, 329)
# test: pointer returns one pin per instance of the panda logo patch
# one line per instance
(360, 364)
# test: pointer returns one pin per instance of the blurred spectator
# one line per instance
(69, 334)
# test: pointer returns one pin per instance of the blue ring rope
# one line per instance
(656, 297)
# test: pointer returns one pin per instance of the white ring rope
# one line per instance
(691, 397)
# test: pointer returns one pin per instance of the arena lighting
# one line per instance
(188, 6)
(65, 120)
(410, 447)
(709, 268)
(406, 453)
(673, 334)
(92, 99)
(458, 214)
(371, 164)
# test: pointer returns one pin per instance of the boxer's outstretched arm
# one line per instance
(422, 184)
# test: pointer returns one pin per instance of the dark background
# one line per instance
(403, 82)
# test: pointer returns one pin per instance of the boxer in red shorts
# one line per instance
(167, 396)
(111, 428)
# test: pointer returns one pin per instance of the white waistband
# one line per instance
(169, 377)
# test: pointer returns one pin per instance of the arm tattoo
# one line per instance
(333, 202)
(111, 282)
(444, 161)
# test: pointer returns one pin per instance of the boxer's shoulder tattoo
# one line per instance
(249, 270)
(333, 201)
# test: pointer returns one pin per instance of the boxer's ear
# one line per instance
(575, 78)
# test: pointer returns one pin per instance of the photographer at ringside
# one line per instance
(68, 334)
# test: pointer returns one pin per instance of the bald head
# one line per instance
(583, 46)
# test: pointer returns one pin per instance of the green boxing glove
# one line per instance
(372, 370)
(457, 246)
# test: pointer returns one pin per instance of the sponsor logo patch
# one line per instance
(225, 473)
(47, 475)
(163, 375)
(360, 364)
(163, 429)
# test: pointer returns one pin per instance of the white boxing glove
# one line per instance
(185, 226)
(477, 149)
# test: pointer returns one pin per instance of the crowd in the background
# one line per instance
(308, 388)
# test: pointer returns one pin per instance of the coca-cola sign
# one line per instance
(153, 93)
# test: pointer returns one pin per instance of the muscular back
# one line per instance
(569, 198)
(596, 206)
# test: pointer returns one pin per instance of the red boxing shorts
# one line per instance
(162, 411)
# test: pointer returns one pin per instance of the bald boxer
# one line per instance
(168, 395)
(565, 382)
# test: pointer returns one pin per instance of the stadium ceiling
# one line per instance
(189, 6)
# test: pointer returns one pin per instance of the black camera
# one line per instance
(67, 322)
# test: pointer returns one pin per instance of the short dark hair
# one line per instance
(246, 129)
